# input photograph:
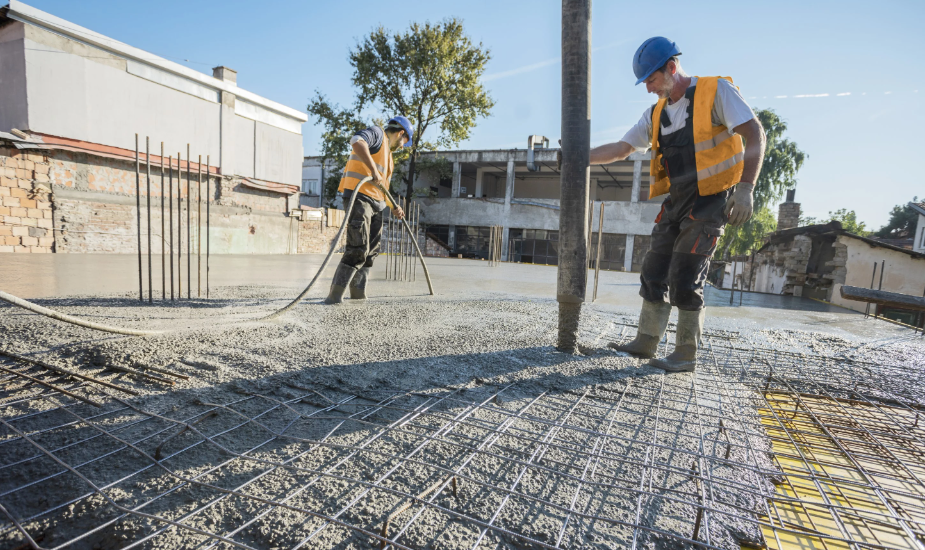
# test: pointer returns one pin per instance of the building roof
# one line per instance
(833, 228)
(918, 207)
(18, 11)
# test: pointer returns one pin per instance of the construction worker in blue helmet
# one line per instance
(695, 133)
(371, 158)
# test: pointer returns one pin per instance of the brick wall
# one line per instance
(315, 237)
(25, 206)
(65, 201)
(788, 215)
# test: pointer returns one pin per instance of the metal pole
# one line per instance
(401, 246)
(199, 231)
(879, 287)
(179, 226)
(148, 201)
(208, 201)
(872, 278)
(387, 243)
(163, 240)
(417, 219)
(572, 279)
(600, 239)
(170, 209)
(732, 287)
(410, 236)
(491, 245)
(189, 227)
(590, 225)
(395, 247)
(141, 291)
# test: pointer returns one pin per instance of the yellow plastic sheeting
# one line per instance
(852, 471)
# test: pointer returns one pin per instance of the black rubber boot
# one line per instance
(358, 285)
(342, 278)
(687, 340)
(653, 321)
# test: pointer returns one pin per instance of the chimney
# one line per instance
(788, 215)
(226, 74)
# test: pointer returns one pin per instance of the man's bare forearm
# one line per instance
(755, 143)
(612, 152)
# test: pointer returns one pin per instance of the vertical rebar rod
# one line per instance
(170, 209)
(572, 273)
(179, 226)
(163, 240)
(189, 228)
(590, 228)
(873, 277)
(597, 259)
(401, 245)
(386, 244)
(148, 202)
(141, 290)
(417, 232)
(879, 287)
(208, 219)
(199, 230)
(395, 248)
(410, 236)
(491, 245)
(732, 287)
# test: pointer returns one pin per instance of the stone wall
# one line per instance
(25, 205)
(72, 202)
(781, 267)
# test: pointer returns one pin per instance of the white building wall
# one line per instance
(918, 244)
(59, 79)
(902, 272)
(13, 107)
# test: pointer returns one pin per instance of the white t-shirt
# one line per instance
(729, 110)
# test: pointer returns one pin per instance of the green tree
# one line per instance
(902, 222)
(339, 126)
(749, 236)
(429, 73)
(782, 160)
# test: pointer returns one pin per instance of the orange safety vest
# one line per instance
(357, 170)
(719, 155)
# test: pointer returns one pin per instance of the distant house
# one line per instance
(815, 261)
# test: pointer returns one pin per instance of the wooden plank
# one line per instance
(892, 299)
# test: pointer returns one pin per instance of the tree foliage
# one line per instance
(429, 73)
(748, 237)
(339, 126)
(847, 218)
(782, 160)
(903, 220)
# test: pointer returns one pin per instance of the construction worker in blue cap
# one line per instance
(695, 132)
(371, 158)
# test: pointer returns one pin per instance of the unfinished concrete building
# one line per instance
(77, 99)
(518, 190)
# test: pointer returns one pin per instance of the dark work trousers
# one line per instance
(687, 228)
(364, 233)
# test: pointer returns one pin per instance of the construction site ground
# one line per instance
(447, 421)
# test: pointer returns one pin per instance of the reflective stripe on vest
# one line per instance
(719, 158)
(357, 170)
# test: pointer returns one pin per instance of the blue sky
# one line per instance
(845, 75)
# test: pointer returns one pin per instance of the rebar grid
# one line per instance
(640, 460)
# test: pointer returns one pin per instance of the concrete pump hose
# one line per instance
(25, 304)
(334, 245)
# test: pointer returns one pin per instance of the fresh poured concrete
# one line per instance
(488, 331)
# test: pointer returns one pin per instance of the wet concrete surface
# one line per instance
(489, 333)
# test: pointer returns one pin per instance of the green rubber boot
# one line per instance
(342, 278)
(653, 321)
(687, 340)
(358, 284)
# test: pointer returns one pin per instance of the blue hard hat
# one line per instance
(650, 57)
(406, 126)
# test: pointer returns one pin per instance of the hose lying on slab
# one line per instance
(25, 304)
(35, 308)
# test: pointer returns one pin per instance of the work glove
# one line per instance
(740, 204)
